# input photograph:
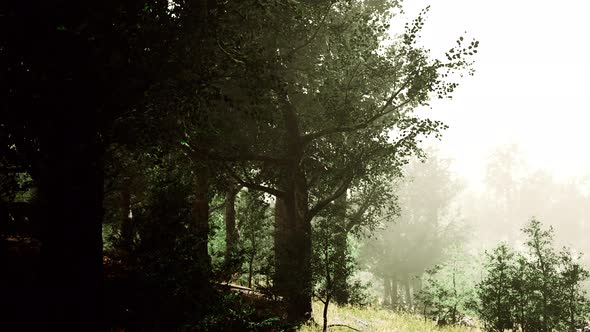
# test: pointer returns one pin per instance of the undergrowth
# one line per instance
(375, 319)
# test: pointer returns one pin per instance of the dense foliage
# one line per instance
(147, 146)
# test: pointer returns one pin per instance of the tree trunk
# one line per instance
(293, 247)
(386, 291)
(409, 300)
(325, 313)
(200, 216)
(417, 284)
(231, 231)
(296, 259)
(394, 292)
(281, 239)
(329, 282)
(125, 208)
(250, 269)
(71, 185)
(298, 254)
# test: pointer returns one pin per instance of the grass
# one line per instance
(375, 319)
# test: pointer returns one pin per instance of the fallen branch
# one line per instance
(343, 325)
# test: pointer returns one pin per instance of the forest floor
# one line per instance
(375, 319)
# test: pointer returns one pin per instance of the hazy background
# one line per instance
(517, 137)
(530, 87)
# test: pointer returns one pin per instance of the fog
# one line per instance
(517, 134)
(515, 149)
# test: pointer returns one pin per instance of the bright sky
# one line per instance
(531, 84)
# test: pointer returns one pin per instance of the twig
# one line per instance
(343, 325)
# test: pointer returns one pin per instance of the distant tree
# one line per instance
(537, 290)
(355, 215)
(427, 225)
(255, 226)
(514, 191)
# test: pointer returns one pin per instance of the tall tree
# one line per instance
(335, 103)
(70, 71)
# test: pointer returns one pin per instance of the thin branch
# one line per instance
(339, 192)
(215, 208)
(229, 54)
(195, 152)
(343, 325)
(255, 186)
(349, 82)
(315, 33)
(14, 169)
(385, 110)
(356, 217)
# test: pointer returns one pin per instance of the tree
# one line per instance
(574, 299)
(337, 103)
(496, 292)
(515, 191)
(538, 290)
(330, 257)
(415, 236)
(72, 71)
(256, 229)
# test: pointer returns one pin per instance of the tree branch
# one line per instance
(255, 186)
(385, 110)
(343, 325)
(315, 33)
(339, 192)
(195, 152)
(229, 55)
(355, 219)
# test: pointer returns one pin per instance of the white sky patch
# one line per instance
(531, 84)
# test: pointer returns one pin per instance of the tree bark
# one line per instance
(298, 249)
(125, 208)
(394, 291)
(329, 283)
(200, 216)
(250, 269)
(325, 313)
(281, 231)
(231, 231)
(298, 219)
(293, 246)
(409, 300)
(417, 284)
(386, 291)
